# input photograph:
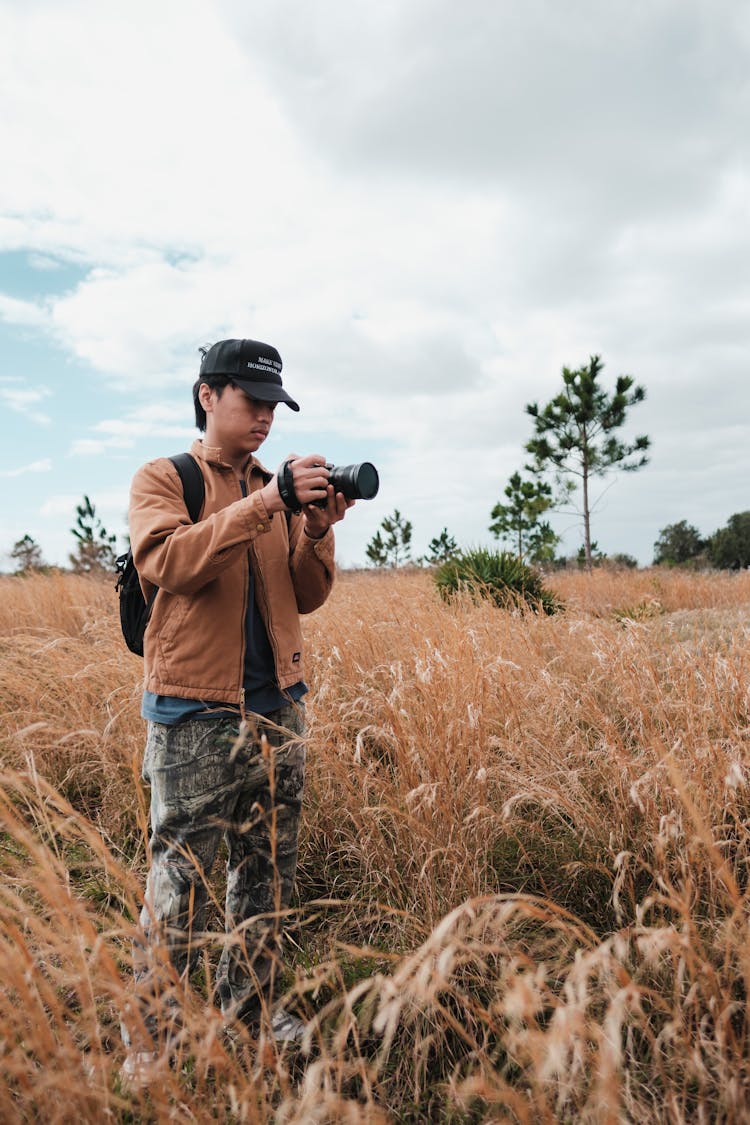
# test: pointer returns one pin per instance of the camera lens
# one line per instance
(367, 481)
(357, 482)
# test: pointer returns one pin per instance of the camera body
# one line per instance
(355, 482)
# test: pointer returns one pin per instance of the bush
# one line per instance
(678, 544)
(729, 547)
(497, 575)
(622, 561)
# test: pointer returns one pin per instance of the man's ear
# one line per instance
(204, 397)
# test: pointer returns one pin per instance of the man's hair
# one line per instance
(216, 383)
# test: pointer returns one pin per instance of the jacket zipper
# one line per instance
(243, 619)
(260, 585)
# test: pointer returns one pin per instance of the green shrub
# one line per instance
(497, 575)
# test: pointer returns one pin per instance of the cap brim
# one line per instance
(266, 392)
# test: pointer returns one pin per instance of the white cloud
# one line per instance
(107, 502)
(44, 466)
(172, 130)
(155, 419)
(89, 447)
(26, 313)
(44, 263)
(23, 399)
(429, 208)
(126, 432)
(498, 90)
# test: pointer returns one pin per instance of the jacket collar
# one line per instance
(211, 454)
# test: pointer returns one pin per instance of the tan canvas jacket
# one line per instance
(194, 645)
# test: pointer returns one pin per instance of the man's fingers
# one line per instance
(309, 459)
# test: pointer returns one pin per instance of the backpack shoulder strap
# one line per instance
(193, 484)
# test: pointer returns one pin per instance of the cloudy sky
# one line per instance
(428, 207)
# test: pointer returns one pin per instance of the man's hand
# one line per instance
(310, 477)
(318, 520)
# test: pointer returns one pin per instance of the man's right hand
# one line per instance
(310, 477)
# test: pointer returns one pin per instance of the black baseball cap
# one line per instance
(253, 366)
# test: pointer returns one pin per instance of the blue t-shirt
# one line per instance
(262, 692)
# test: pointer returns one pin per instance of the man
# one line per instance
(225, 680)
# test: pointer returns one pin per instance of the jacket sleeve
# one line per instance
(312, 566)
(169, 550)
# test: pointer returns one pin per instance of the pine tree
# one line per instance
(441, 548)
(519, 521)
(96, 546)
(27, 554)
(575, 433)
(393, 547)
(376, 551)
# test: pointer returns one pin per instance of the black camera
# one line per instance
(356, 482)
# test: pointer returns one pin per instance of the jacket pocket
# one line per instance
(170, 626)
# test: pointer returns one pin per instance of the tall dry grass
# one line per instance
(523, 875)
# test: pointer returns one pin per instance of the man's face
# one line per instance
(235, 422)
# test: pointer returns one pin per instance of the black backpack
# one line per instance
(134, 609)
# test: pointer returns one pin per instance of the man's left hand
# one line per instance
(318, 520)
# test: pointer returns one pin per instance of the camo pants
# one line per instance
(211, 779)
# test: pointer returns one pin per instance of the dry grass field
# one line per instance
(523, 887)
